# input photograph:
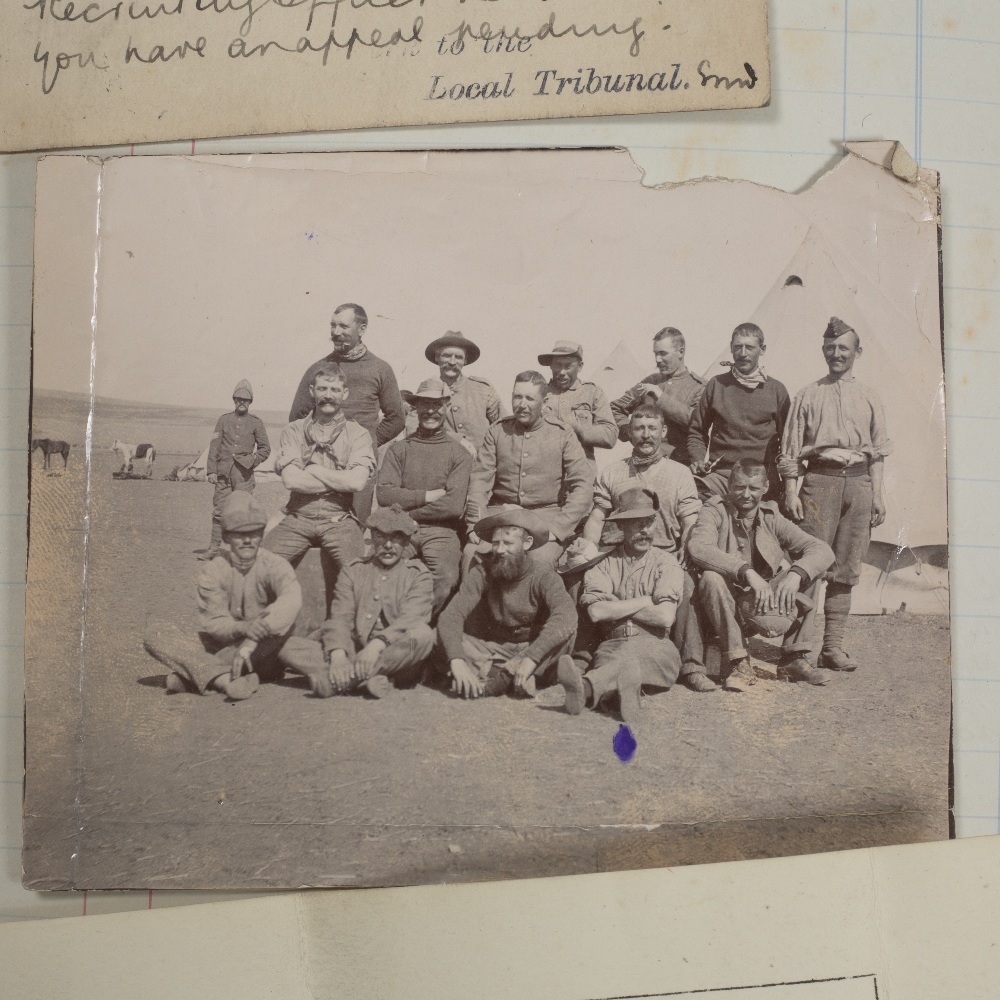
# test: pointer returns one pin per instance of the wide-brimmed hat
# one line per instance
(580, 555)
(431, 388)
(243, 388)
(562, 349)
(452, 339)
(516, 517)
(771, 624)
(635, 504)
(390, 520)
(241, 512)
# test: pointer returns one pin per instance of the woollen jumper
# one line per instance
(744, 423)
(535, 608)
(372, 388)
(413, 467)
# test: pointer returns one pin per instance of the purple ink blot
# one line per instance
(624, 744)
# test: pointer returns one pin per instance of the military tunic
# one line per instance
(542, 468)
(679, 394)
(585, 409)
(474, 406)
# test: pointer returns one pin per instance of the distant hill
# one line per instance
(181, 430)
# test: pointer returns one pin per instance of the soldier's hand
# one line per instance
(367, 660)
(256, 629)
(648, 389)
(464, 680)
(212, 478)
(764, 599)
(340, 670)
(878, 511)
(523, 670)
(793, 507)
(784, 593)
(701, 468)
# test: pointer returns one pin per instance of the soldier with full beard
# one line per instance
(512, 620)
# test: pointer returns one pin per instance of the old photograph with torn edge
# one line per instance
(113, 71)
(407, 517)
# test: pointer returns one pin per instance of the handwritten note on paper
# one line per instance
(94, 72)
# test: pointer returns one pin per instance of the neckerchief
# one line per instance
(321, 437)
(354, 354)
(757, 377)
(642, 464)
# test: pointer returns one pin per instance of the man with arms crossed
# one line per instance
(427, 475)
(834, 445)
(632, 594)
(323, 459)
(371, 386)
(677, 510)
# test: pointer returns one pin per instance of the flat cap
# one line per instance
(392, 520)
(241, 512)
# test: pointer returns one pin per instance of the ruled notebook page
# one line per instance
(921, 72)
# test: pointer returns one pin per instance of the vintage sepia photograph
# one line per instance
(414, 517)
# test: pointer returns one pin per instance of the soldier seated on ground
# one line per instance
(377, 635)
(248, 600)
(632, 596)
(511, 620)
(754, 562)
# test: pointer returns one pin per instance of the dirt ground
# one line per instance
(129, 787)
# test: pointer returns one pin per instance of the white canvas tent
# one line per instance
(907, 562)
(196, 470)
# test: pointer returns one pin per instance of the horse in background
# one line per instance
(129, 453)
(50, 447)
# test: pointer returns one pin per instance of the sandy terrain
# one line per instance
(129, 787)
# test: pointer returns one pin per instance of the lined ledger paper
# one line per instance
(921, 72)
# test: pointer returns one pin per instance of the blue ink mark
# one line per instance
(624, 744)
(310, 235)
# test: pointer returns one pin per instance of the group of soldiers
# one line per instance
(501, 559)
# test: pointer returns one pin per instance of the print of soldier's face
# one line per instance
(565, 371)
(328, 395)
(746, 349)
(430, 413)
(388, 548)
(451, 361)
(669, 356)
(346, 330)
(841, 352)
(526, 403)
(646, 434)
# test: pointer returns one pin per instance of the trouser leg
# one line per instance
(836, 609)
(362, 503)
(609, 658)
(686, 633)
(403, 660)
(483, 654)
(719, 609)
(341, 542)
(291, 538)
(304, 656)
(441, 551)
(197, 660)
(222, 492)
(266, 659)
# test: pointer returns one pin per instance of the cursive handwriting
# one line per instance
(487, 33)
(63, 60)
